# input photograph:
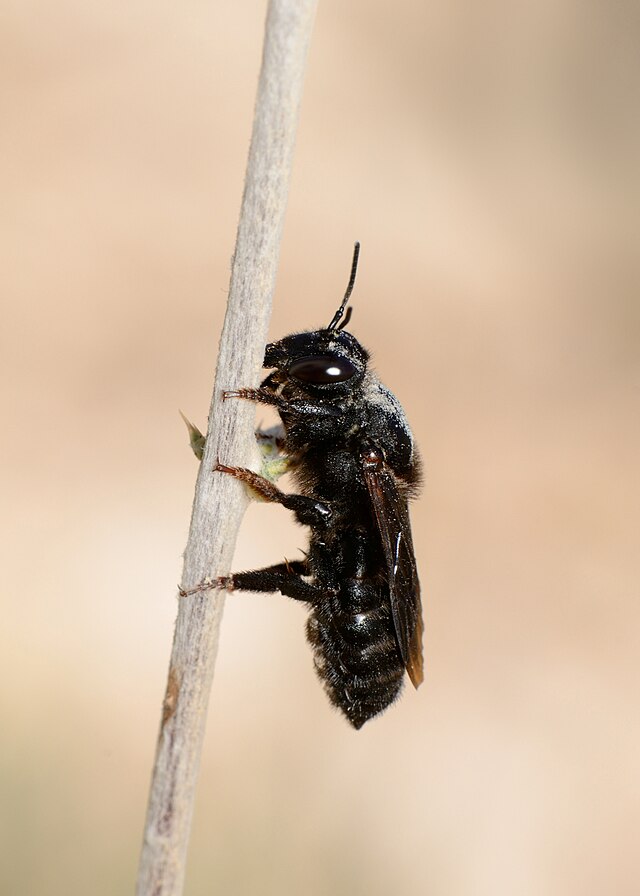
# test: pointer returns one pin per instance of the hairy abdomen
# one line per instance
(355, 650)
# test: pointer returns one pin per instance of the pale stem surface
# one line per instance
(220, 501)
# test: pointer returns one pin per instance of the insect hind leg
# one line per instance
(287, 578)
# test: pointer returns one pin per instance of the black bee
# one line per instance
(351, 452)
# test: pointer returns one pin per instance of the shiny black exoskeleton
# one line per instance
(352, 455)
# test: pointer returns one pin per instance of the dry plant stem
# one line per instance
(220, 501)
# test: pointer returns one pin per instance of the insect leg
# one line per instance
(266, 396)
(283, 577)
(263, 396)
(308, 511)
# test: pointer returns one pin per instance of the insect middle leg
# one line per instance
(308, 511)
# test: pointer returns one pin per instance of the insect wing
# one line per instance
(392, 516)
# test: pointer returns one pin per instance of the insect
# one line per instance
(352, 456)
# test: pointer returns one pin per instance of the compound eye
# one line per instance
(321, 369)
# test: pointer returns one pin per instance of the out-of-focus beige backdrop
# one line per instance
(486, 157)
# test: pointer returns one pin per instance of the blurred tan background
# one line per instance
(487, 158)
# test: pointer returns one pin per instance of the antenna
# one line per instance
(352, 280)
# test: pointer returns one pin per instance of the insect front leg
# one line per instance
(262, 396)
(308, 511)
(296, 407)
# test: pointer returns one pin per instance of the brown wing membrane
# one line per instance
(392, 516)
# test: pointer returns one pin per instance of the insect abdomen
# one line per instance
(356, 654)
